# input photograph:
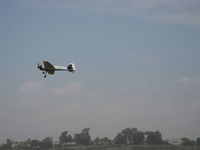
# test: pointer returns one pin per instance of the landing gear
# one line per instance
(45, 74)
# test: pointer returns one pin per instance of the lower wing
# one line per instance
(51, 71)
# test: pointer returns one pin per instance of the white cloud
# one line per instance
(30, 86)
(184, 80)
(177, 17)
(192, 80)
(71, 89)
(168, 11)
(141, 58)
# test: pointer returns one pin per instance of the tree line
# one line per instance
(128, 136)
(46, 143)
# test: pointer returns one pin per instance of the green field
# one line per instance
(126, 147)
(129, 147)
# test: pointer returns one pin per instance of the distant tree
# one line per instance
(105, 141)
(187, 141)
(69, 138)
(102, 141)
(6, 146)
(138, 137)
(64, 138)
(119, 139)
(154, 138)
(166, 142)
(8, 143)
(77, 138)
(46, 143)
(129, 136)
(26, 143)
(35, 143)
(96, 141)
(23, 145)
(83, 137)
(198, 141)
(124, 137)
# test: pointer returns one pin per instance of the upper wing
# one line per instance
(49, 67)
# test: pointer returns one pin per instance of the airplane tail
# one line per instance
(71, 67)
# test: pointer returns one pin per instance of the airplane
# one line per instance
(47, 67)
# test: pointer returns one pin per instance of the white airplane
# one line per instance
(47, 67)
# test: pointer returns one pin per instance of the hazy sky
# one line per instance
(138, 66)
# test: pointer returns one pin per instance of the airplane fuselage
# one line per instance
(56, 68)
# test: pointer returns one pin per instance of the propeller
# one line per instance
(39, 66)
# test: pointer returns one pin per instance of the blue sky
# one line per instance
(138, 66)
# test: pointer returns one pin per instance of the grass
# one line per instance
(129, 147)
(121, 147)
